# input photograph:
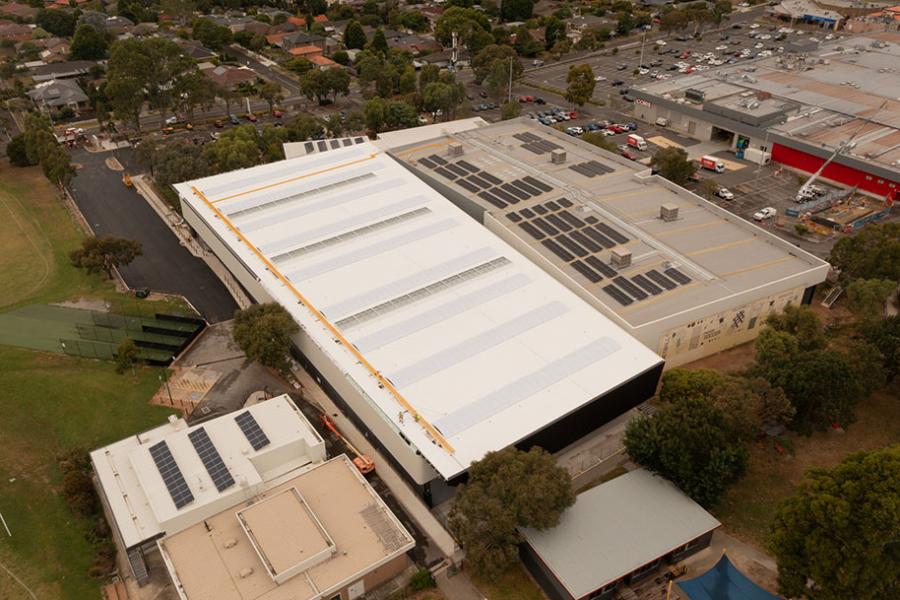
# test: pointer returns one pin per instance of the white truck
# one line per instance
(757, 156)
(636, 141)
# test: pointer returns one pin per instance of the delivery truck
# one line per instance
(712, 163)
(636, 141)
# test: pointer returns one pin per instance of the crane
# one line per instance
(362, 461)
(841, 148)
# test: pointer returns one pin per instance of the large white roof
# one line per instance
(462, 343)
(139, 498)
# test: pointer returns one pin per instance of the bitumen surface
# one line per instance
(165, 266)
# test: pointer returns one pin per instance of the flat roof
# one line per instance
(167, 477)
(597, 203)
(835, 91)
(463, 344)
(238, 553)
(616, 528)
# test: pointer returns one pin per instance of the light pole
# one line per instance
(643, 39)
(165, 378)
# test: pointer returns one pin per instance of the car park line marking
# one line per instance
(293, 179)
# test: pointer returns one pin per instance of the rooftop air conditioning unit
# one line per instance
(454, 149)
(620, 257)
(558, 157)
(668, 212)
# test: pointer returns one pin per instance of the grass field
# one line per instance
(515, 584)
(51, 403)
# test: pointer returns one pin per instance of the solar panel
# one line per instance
(611, 233)
(591, 219)
(358, 140)
(539, 209)
(557, 250)
(661, 279)
(571, 246)
(457, 170)
(515, 191)
(586, 241)
(565, 202)
(677, 276)
(211, 459)
(527, 213)
(588, 272)
(630, 288)
(505, 195)
(571, 219)
(309, 147)
(493, 200)
(335, 144)
(534, 148)
(489, 177)
(599, 237)
(322, 146)
(600, 266)
(347, 142)
(467, 166)
(514, 217)
(617, 294)
(252, 431)
(479, 181)
(597, 168)
(552, 205)
(171, 474)
(647, 285)
(545, 226)
(437, 159)
(583, 170)
(426, 162)
(466, 185)
(532, 230)
(528, 189)
(445, 173)
(536, 183)
(559, 222)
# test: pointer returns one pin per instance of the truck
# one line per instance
(757, 156)
(712, 163)
(636, 141)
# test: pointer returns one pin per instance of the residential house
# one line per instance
(56, 52)
(16, 9)
(322, 62)
(118, 25)
(443, 59)
(297, 21)
(306, 52)
(195, 50)
(62, 70)
(301, 38)
(58, 93)
(15, 32)
(226, 76)
(415, 44)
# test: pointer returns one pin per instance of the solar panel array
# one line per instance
(171, 474)
(485, 185)
(252, 431)
(211, 459)
(535, 143)
(332, 144)
(591, 168)
(626, 291)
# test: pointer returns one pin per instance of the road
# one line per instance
(165, 266)
(244, 56)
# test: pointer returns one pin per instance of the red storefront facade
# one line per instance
(850, 176)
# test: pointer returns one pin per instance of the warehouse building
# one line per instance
(618, 533)
(797, 108)
(685, 277)
(438, 338)
(321, 535)
(174, 476)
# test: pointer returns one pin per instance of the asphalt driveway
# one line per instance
(166, 266)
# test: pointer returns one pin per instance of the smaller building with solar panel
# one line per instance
(172, 477)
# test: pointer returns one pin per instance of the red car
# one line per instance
(526, 99)
(628, 154)
(616, 128)
(251, 117)
(573, 115)
(277, 114)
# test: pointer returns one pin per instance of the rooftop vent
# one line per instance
(668, 212)
(230, 543)
(558, 157)
(454, 149)
(245, 572)
(621, 257)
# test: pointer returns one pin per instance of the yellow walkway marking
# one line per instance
(759, 266)
(382, 381)
(688, 228)
(722, 246)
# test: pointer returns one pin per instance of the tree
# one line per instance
(299, 65)
(510, 110)
(263, 332)
(554, 30)
(506, 490)
(709, 187)
(180, 10)
(625, 23)
(884, 335)
(867, 297)
(103, 254)
(126, 355)
(60, 23)
(374, 111)
(237, 148)
(314, 85)
(837, 537)
(691, 443)
(525, 44)
(673, 20)
(428, 74)
(338, 81)
(213, 36)
(673, 164)
(341, 57)
(271, 93)
(88, 44)
(379, 42)
(516, 10)
(485, 62)
(304, 127)
(802, 323)
(57, 166)
(580, 84)
(472, 26)
(873, 253)
(177, 161)
(17, 153)
(354, 36)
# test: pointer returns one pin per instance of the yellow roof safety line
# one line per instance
(297, 178)
(382, 381)
(418, 148)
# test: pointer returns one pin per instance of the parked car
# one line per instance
(277, 113)
(628, 154)
(616, 82)
(724, 194)
(251, 117)
(766, 213)
(537, 63)
(631, 126)
(574, 130)
(599, 78)
(234, 120)
(592, 127)
(621, 67)
(482, 94)
(219, 124)
(526, 99)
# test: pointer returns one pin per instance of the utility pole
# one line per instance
(643, 39)
(165, 378)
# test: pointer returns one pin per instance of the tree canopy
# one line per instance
(212, 35)
(88, 44)
(867, 297)
(838, 536)
(508, 489)
(673, 164)
(580, 84)
(102, 254)
(516, 10)
(472, 25)
(884, 336)
(692, 443)
(263, 332)
(354, 36)
(873, 253)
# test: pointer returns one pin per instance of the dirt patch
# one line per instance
(737, 358)
(97, 304)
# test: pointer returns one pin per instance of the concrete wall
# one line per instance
(371, 580)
